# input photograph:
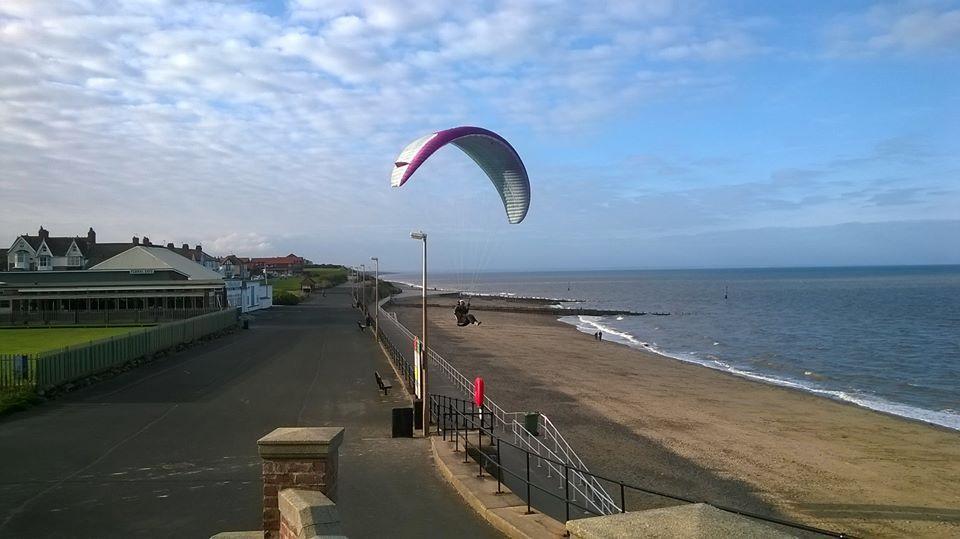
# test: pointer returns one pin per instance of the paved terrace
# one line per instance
(169, 449)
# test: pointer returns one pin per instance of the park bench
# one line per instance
(384, 385)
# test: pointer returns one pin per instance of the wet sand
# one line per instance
(660, 423)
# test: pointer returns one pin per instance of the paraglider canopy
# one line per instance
(490, 151)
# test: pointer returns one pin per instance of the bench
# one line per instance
(362, 327)
(384, 385)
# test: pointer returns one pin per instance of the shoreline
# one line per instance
(782, 384)
(534, 306)
(791, 385)
(661, 422)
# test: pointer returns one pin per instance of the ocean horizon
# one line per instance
(885, 338)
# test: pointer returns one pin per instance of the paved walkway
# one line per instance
(169, 449)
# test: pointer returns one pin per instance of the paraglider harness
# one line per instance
(462, 311)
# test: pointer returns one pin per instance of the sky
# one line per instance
(656, 133)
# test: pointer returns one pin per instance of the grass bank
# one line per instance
(34, 340)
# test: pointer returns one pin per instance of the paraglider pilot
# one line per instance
(462, 311)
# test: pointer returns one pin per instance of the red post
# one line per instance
(478, 392)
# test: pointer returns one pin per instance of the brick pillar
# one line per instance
(304, 458)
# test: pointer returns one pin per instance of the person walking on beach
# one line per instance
(599, 335)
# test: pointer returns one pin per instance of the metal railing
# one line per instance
(462, 421)
(551, 444)
(55, 367)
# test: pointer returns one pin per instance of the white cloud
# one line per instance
(214, 117)
(910, 28)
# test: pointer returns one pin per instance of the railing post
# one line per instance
(499, 467)
(623, 499)
(480, 452)
(529, 512)
(566, 491)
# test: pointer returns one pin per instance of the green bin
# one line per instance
(531, 423)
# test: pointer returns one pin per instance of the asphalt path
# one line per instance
(169, 449)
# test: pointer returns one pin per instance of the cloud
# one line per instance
(906, 28)
(224, 117)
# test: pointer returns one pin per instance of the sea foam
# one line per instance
(943, 418)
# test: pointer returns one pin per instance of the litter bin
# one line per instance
(418, 414)
(531, 423)
(403, 423)
(246, 323)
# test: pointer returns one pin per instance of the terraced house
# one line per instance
(44, 252)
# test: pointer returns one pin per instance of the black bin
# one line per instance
(403, 423)
(246, 323)
(418, 414)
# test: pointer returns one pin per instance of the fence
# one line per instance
(102, 317)
(522, 471)
(55, 367)
(550, 443)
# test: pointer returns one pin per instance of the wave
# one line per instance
(943, 418)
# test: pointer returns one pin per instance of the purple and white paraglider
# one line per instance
(489, 150)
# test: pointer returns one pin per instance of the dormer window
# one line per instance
(74, 261)
(44, 262)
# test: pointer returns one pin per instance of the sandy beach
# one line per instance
(657, 422)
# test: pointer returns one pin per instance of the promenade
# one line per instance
(169, 449)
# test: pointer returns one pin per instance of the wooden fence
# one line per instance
(54, 367)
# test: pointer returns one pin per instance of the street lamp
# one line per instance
(425, 354)
(376, 287)
(363, 288)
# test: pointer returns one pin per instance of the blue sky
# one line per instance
(656, 134)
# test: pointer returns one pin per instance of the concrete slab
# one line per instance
(693, 521)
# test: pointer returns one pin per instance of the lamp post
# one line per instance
(376, 288)
(425, 354)
(363, 288)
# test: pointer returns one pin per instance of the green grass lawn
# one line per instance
(322, 276)
(31, 341)
(286, 284)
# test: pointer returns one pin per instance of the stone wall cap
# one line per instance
(309, 512)
(692, 521)
(300, 442)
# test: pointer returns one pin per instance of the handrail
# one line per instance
(469, 418)
(591, 489)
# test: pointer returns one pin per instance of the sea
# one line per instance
(884, 338)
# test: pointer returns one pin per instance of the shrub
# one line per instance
(286, 298)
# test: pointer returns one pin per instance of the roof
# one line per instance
(157, 258)
(233, 260)
(58, 245)
(289, 259)
(103, 251)
(85, 277)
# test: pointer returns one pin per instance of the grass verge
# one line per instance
(33, 340)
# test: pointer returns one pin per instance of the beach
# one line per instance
(660, 423)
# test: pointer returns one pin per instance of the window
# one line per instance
(74, 261)
(44, 261)
(21, 257)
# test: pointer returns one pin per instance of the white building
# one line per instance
(249, 295)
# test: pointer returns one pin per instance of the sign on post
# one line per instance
(417, 365)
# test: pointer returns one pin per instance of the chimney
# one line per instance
(170, 246)
(43, 233)
(91, 236)
(185, 248)
(146, 240)
(136, 240)
(199, 249)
